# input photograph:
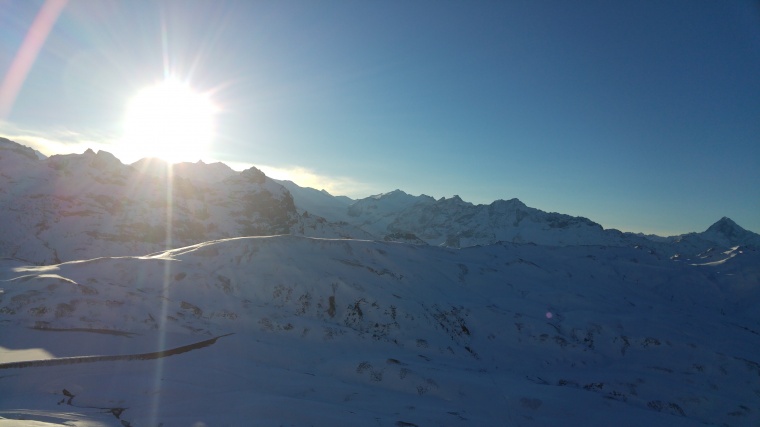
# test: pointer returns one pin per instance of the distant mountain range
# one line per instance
(398, 216)
(78, 206)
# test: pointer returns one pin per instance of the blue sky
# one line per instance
(640, 115)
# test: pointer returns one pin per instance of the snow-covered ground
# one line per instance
(351, 332)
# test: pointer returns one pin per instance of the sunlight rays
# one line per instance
(170, 121)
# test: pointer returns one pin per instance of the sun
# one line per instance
(170, 121)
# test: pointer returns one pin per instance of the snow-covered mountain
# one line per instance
(456, 223)
(7, 144)
(80, 206)
(726, 233)
(729, 233)
(348, 332)
(68, 207)
(453, 222)
(398, 216)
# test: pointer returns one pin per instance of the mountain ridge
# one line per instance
(408, 218)
(80, 205)
(61, 194)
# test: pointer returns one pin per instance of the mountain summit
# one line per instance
(726, 226)
(726, 232)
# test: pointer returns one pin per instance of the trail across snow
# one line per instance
(59, 361)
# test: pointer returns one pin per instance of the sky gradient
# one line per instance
(640, 115)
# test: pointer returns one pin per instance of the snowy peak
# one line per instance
(385, 204)
(453, 199)
(395, 194)
(711, 244)
(396, 198)
(513, 203)
(79, 163)
(726, 226)
(728, 233)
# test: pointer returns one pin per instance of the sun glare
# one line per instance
(170, 121)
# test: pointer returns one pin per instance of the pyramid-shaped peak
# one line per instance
(729, 233)
(726, 226)
(253, 174)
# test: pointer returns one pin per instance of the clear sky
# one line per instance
(640, 115)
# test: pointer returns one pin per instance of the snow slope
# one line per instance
(348, 332)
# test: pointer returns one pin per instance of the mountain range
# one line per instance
(265, 303)
(77, 206)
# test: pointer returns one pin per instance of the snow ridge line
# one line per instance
(90, 359)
